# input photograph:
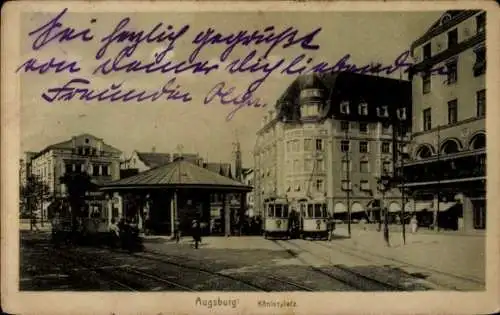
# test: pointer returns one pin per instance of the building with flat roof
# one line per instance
(446, 175)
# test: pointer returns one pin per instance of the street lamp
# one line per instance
(384, 184)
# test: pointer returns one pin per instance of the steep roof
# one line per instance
(180, 174)
(153, 159)
(339, 86)
(223, 169)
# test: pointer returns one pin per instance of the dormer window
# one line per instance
(401, 113)
(481, 23)
(452, 38)
(344, 107)
(382, 111)
(363, 109)
(480, 64)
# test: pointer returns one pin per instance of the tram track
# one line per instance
(125, 276)
(251, 282)
(353, 279)
(365, 254)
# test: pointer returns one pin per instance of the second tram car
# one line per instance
(313, 220)
(276, 221)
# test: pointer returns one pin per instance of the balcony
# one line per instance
(448, 168)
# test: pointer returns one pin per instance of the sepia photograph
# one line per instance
(245, 150)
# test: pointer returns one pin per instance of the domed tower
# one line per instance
(311, 96)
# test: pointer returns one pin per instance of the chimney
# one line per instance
(153, 149)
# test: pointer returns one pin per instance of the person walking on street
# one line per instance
(177, 233)
(330, 228)
(414, 224)
(196, 233)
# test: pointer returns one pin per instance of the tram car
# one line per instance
(313, 220)
(276, 220)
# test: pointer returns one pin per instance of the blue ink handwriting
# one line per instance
(136, 38)
(226, 97)
(114, 93)
(268, 36)
(119, 63)
(53, 30)
(31, 65)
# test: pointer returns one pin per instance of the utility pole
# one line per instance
(348, 191)
(436, 207)
(402, 177)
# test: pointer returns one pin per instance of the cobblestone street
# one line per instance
(252, 263)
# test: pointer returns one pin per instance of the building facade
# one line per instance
(447, 171)
(82, 153)
(248, 179)
(327, 141)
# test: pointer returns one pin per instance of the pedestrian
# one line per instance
(331, 228)
(414, 224)
(196, 232)
(177, 232)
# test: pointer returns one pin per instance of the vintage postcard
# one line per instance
(249, 158)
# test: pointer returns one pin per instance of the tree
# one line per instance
(32, 195)
(77, 184)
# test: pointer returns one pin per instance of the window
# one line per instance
(452, 111)
(344, 125)
(80, 151)
(346, 185)
(295, 146)
(288, 146)
(382, 111)
(363, 146)
(319, 145)
(364, 167)
(363, 109)
(481, 23)
(481, 103)
(452, 38)
(68, 168)
(308, 165)
(320, 165)
(451, 73)
(319, 185)
(427, 51)
(480, 64)
(364, 185)
(386, 147)
(344, 146)
(308, 145)
(363, 127)
(346, 166)
(344, 107)
(386, 167)
(105, 170)
(427, 119)
(426, 82)
(386, 128)
(401, 113)
(95, 170)
(297, 186)
(295, 166)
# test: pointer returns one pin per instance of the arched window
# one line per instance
(478, 142)
(449, 147)
(424, 152)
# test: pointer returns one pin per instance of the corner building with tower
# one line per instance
(327, 141)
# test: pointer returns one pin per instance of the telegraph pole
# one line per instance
(401, 154)
(348, 192)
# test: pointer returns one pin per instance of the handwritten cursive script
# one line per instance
(226, 96)
(127, 37)
(78, 88)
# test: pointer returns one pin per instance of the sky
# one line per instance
(164, 124)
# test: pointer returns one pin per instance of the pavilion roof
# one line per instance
(177, 174)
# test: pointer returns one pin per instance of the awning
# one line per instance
(418, 206)
(444, 206)
(357, 207)
(339, 208)
(394, 207)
